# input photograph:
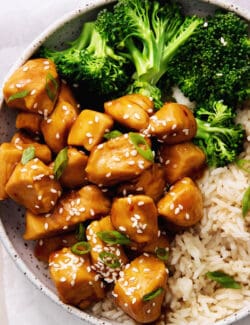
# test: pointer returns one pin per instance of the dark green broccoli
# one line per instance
(214, 62)
(149, 35)
(218, 135)
(90, 59)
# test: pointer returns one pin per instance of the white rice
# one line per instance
(221, 241)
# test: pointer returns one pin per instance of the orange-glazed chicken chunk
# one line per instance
(33, 186)
(182, 159)
(56, 127)
(131, 111)
(141, 288)
(74, 174)
(183, 204)
(115, 161)
(151, 182)
(9, 157)
(33, 87)
(29, 121)
(101, 240)
(73, 208)
(75, 282)
(136, 217)
(44, 247)
(89, 128)
(173, 123)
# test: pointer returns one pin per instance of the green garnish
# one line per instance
(243, 164)
(81, 248)
(246, 202)
(51, 86)
(162, 253)
(20, 94)
(28, 154)
(223, 279)
(80, 232)
(112, 134)
(61, 162)
(141, 146)
(110, 259)
(113, 237)
(153, 294)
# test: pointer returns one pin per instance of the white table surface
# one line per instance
(20, 22)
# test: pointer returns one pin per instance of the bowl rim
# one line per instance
(26, 54)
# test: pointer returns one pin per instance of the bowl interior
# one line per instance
(11, 215)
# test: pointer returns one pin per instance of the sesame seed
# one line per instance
(33, 92)
(19, 85)
(131, 162)
(137, 116)
(97, 119)
(46, 226)
(25, 68)
(65, 227)
(39, 197)
(40, 242)
(125, 116)
(140, 203)
(121, 228)
(62, 279)
(57, 135)
(100, 146)
(92, 212)
(167, 162)
(148, 311)
(177, 210)
(133, 300)
(35, 105)
(49, 120)
(187, 216)
(108, 175)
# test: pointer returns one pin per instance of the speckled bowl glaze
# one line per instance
(11, 215)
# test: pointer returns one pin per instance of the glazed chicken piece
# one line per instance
(141, 289)
(151, 182)
(183, 204)
(67, 95)
(136, 217)
(44, 247)
(23, 141)
(29, 121)
(74, 174)
(73, 208)
(33, 186)
(131, 111)
(9, 157)
(173, 123)
(75, 282)
(108, 270)
(182, 159)
(33, 87)
(56, 127)
(21, 137)
(89, 129)
(115, 161)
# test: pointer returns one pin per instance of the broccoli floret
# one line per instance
(217, 134)
(90, 59)
(214, 62)
(148, 34)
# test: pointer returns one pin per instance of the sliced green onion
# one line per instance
(81, 248)
(243, 164)
(141, 146)
(110, 259)
(162, 253)
(20, 94)
(223, 279)
(246, 202)
(61, 162)
(28, 154)
(112, 134)
(51, 86)
(113, 237)
(80, 232)
(153, 294)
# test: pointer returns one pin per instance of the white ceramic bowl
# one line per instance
(11, 215)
